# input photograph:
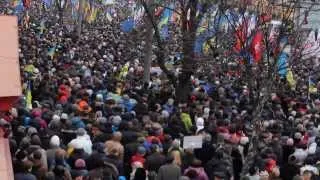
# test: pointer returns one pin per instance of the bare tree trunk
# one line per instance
(148, 49)
(80, 17)
(161, 51)
(189, 28)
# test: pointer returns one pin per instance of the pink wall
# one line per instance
(9, 57)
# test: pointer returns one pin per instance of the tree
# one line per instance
(274, 48)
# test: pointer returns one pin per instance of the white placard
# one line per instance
(192, 142)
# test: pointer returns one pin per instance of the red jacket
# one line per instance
(138, 158)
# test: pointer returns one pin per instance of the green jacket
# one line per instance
(186, 119)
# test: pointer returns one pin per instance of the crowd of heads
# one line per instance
(92, 116)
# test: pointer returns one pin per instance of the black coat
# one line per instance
(155, 161)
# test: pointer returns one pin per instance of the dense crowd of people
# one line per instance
(92, 117)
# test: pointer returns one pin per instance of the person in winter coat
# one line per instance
(169, 170)
(155, 160)
(140, 174)
(114, 146)
(25, 174)
(139, 156)
(54, 146)
(220, 166)
(82, 140)
(80, 169)
(186, 119)
(196, 171)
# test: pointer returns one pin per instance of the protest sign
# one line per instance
(192, 142)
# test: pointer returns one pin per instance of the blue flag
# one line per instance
(127, 25)
(47, 3)
(282, 64)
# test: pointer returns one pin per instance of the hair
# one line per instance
(27, 165)
(169, 159)
(37, 155)
(192, 174)
(140, 174)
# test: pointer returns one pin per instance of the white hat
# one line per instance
(55, 141)
(206, 110)
(165, 114)
(99, 97)
(55, 118)
(200, 123)
(64, 116)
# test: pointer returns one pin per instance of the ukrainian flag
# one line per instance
(312, 86)
(93, 15)
(164, 20)
(203, 26)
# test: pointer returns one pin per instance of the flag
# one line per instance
(86, 8)
(312, 86)
(47, 3)
(257, 47)
(290, 79)
(109, 17)
(199, 9)
(282, 64)
(18, 6)
(175, 18)
(51, 52)
(311, 47)
(164, 20)
(203, 25)
(199, 43)
(127, 25)
(164, 32)
(158, 11)
(26, 3)
(92, 14)
(29, 96)
(138, 15)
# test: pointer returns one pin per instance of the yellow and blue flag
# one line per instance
(312, 86)
(164, 20)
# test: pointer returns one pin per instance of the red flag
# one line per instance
(264, 18)
(158, 11)
(26, 3)
(257, 47)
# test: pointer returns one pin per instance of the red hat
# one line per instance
(270, 165)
